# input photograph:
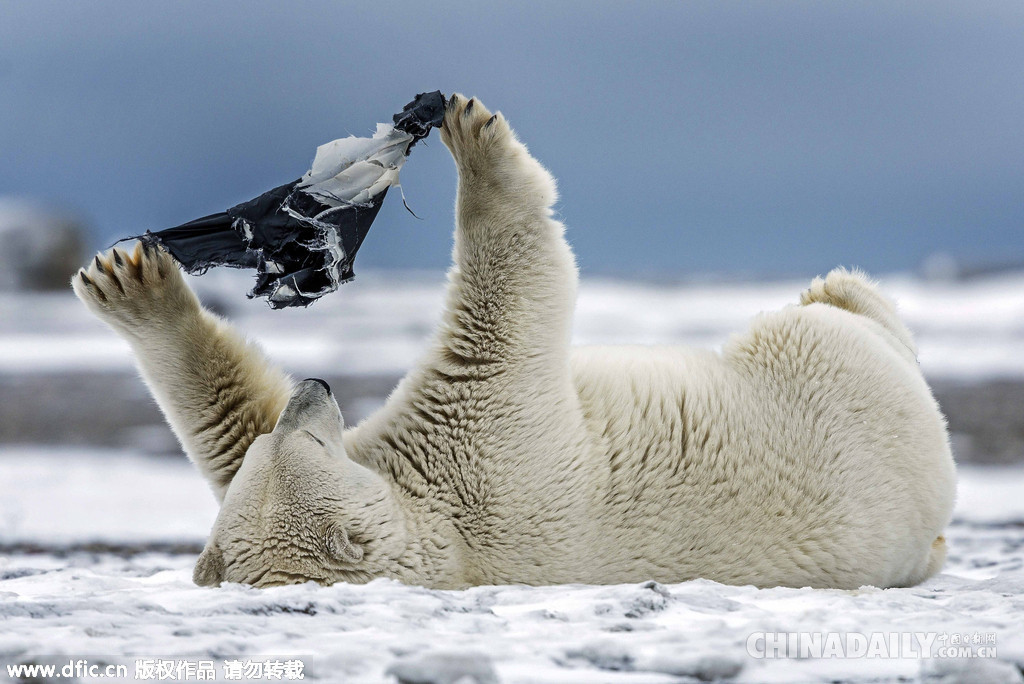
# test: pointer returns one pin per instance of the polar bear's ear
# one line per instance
(209, 570)
(341, 547)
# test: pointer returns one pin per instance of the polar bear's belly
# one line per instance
(710, 471)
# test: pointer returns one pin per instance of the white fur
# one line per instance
(808, 452)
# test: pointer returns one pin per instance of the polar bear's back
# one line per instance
(809, 452)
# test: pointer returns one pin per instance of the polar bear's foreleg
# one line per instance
(217, 392)
(512, 290)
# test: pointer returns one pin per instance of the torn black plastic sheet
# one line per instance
(302, 237)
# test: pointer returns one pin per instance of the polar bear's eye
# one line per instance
(315, 438)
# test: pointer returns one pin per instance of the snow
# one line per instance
(61, 497)
(379, 324)
(76, 601)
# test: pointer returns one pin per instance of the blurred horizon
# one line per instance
(764, 139)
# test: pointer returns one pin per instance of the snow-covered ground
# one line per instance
(96, 547)
(379, 323)
(85, 573)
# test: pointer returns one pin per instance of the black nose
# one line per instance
(323, 383)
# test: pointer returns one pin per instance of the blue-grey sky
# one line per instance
(687, 137)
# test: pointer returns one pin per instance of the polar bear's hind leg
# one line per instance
(853, 291)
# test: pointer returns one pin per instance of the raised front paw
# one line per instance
(472, 133)
(135, 291)
(485, 148)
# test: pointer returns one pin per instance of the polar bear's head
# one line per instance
(299, 509)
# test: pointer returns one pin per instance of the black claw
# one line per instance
(490, 122)
(117, 258)
(469, 107)
(99, 264)
(453, 102)
(85, 279)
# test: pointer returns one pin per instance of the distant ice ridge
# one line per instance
(380, 323)
(40, 247)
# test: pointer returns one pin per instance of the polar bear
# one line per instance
(809, 451)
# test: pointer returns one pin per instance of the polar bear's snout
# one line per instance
(321, 382)
(312, 407)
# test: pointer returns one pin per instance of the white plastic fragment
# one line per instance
(354, 170)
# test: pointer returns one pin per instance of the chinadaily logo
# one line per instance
(871, 645)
